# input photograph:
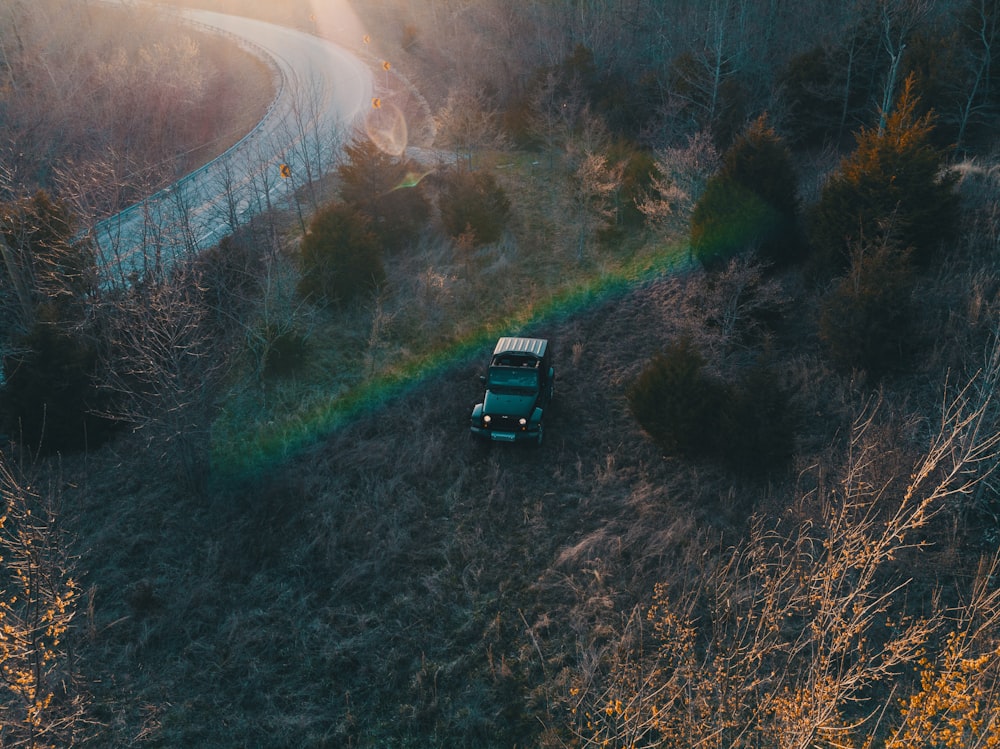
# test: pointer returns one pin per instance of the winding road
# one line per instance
(322, 90)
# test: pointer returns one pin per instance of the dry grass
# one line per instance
(395, 584)
(398, 585)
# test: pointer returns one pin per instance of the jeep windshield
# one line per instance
(513, 380)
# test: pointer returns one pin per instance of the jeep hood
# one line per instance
(502, 404)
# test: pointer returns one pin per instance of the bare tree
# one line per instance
(718, 54)
(262, 167)
(228, 185)
(278, 315)
(732, 302)
(164, 365)
(981, 26)
(557, 110)
(468, 122)
(306, 155)
(897, 20)
(592, 187)
(798, 637)
(681, 175)
(43, 706)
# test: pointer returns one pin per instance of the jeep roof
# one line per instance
(533, 346)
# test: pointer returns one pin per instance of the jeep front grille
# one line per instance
(505, 423)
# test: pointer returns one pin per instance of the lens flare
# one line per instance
(386, 126)
(412, 179)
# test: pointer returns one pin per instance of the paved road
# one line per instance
(322, 91)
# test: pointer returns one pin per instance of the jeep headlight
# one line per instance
(486, 419)
(523, 422)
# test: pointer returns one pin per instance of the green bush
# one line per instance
(688, 413)
(676, 403)
(340, 257)
(730, 219)
(473, 203)
(866, 320)
(760, 161)
(752, 203)
(49, 401)
(385, 189)
(47, 281)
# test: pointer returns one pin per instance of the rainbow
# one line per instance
(272, 444)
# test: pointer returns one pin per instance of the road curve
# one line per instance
(322, 91)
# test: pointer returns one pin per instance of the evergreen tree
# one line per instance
(729, 219)
(384, 189)
(751, 203)
(893, 180)
(756, 427)
(49, 395)
(761, 162)
(811, 96)
(866, 320)
(340, 256)
(474, 202)
(677, 403)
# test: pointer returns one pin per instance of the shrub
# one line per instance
(287, 352)
(676, 403)
(729, 219)
(48, 400)
(340, 257)
(760, 161)
(756, 425)
(865, 321)
(689, 413)
(751, 203)
(46, 286)
(382, 188)
(473, 204)
(230, 278)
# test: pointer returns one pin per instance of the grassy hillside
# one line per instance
(358, 572)
(395, 584)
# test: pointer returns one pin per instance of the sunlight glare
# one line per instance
(385, 124)
(337, 21)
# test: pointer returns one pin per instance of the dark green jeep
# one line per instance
(519, 389)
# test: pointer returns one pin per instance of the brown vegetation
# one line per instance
(104, 105)
(389, 582)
